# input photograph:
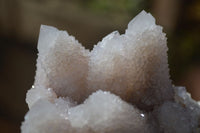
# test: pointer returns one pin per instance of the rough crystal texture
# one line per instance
(174, 118)
(121, 86)
(35, 94)
(62, 63)
(101, 112)
(105, 112)
(133, 65)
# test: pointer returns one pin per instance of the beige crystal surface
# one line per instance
(62, 63)
(133, 65)
(121, 86)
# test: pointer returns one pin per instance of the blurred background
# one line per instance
(88, 21)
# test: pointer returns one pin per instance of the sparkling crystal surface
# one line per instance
(121, 86)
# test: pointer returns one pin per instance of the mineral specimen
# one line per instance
(121, 86)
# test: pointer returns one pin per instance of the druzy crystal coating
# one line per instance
(121, 86)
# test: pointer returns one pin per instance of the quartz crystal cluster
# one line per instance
(121, 86)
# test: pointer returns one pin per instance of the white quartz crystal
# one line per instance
(35, 94)
(62, 63)
(121, 86)
(105, 112)
(133, 65)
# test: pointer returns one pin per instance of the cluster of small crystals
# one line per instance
(133, 65)
(121, 86)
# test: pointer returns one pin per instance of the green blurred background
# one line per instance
(88, 21)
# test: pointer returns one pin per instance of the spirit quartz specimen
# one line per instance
(121, 86)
